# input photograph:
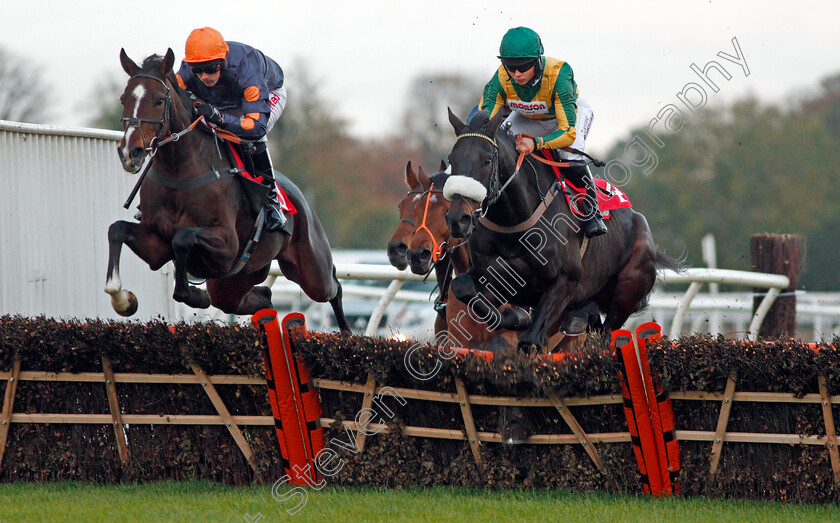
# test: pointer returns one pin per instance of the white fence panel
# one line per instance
(62, 188)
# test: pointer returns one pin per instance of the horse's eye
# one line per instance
(488, 161)
(159, 102)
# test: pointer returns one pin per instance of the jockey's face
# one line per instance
(210, 79)
(521, 77)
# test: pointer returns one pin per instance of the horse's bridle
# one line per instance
(493, 191)
(135, 122)
(438, 250)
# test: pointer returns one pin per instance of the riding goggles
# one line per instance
(518, 65)
(205, 68)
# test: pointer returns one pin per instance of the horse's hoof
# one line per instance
(515, 319)
(123, 310)
(528, 348)
(263, 291)
(514, 427)
(193, 297)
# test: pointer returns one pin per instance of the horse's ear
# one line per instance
(494, 124)
(459, 126)
(442, 166)
(168, 62)
(425, 182)
(128, 64)
(411, 177)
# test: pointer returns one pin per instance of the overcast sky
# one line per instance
(630, 58)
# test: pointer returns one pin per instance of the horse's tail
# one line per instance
(663, 261)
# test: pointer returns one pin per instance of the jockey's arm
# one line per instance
(564, 97)
(251, 126)
(565, 134)
(254, 106)
(493, 98)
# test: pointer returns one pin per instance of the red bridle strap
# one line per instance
(424, 227)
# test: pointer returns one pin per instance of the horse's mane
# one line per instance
(479, 122)
(439, 179)
(151, 66)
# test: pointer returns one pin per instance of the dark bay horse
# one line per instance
(431, 247)
(203, 223)
(525, 244)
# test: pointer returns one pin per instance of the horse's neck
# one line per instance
(520, 197)
(461, 258)
(191, 155)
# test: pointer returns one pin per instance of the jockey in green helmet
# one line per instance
(542, 94)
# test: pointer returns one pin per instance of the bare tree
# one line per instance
(425, 120)
(22, 92)
(105, 103)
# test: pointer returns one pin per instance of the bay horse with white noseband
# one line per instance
(526, 246)
(195, 213)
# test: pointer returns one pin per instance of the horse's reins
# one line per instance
(495, 195)
(157, 142)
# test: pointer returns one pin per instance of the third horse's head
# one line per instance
(432, 233)
(417, 183)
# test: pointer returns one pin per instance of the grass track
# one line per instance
(202, 501)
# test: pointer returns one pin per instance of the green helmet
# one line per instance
(521, 42)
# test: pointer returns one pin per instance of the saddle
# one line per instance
(255, 190)
(610, 197)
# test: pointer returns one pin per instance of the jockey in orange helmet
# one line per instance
(231, 78)
(543, 97)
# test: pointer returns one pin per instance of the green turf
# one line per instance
(201, 501)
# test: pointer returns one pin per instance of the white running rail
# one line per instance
(696, 278)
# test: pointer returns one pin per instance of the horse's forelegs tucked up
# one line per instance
(554, 301)
(237, 294)
(186, 242)
(147, 245)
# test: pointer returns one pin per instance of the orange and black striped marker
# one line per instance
(637, 412)
(294, 401)
(661, 412)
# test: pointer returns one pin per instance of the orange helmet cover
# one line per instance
(205, 44)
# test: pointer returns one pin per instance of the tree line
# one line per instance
(744, 169)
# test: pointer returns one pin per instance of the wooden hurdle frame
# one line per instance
(460, 396)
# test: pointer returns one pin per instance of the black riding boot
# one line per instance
(580, 176)
(594, 225)
(275, 219)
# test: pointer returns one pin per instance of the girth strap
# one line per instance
(530, 222)
(527, 224)
(195, 181)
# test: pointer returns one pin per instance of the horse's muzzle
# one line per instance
(461, 227)
(131, 157)
(397, 255)
(420, 260)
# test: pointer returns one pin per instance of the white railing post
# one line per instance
(379, 310)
